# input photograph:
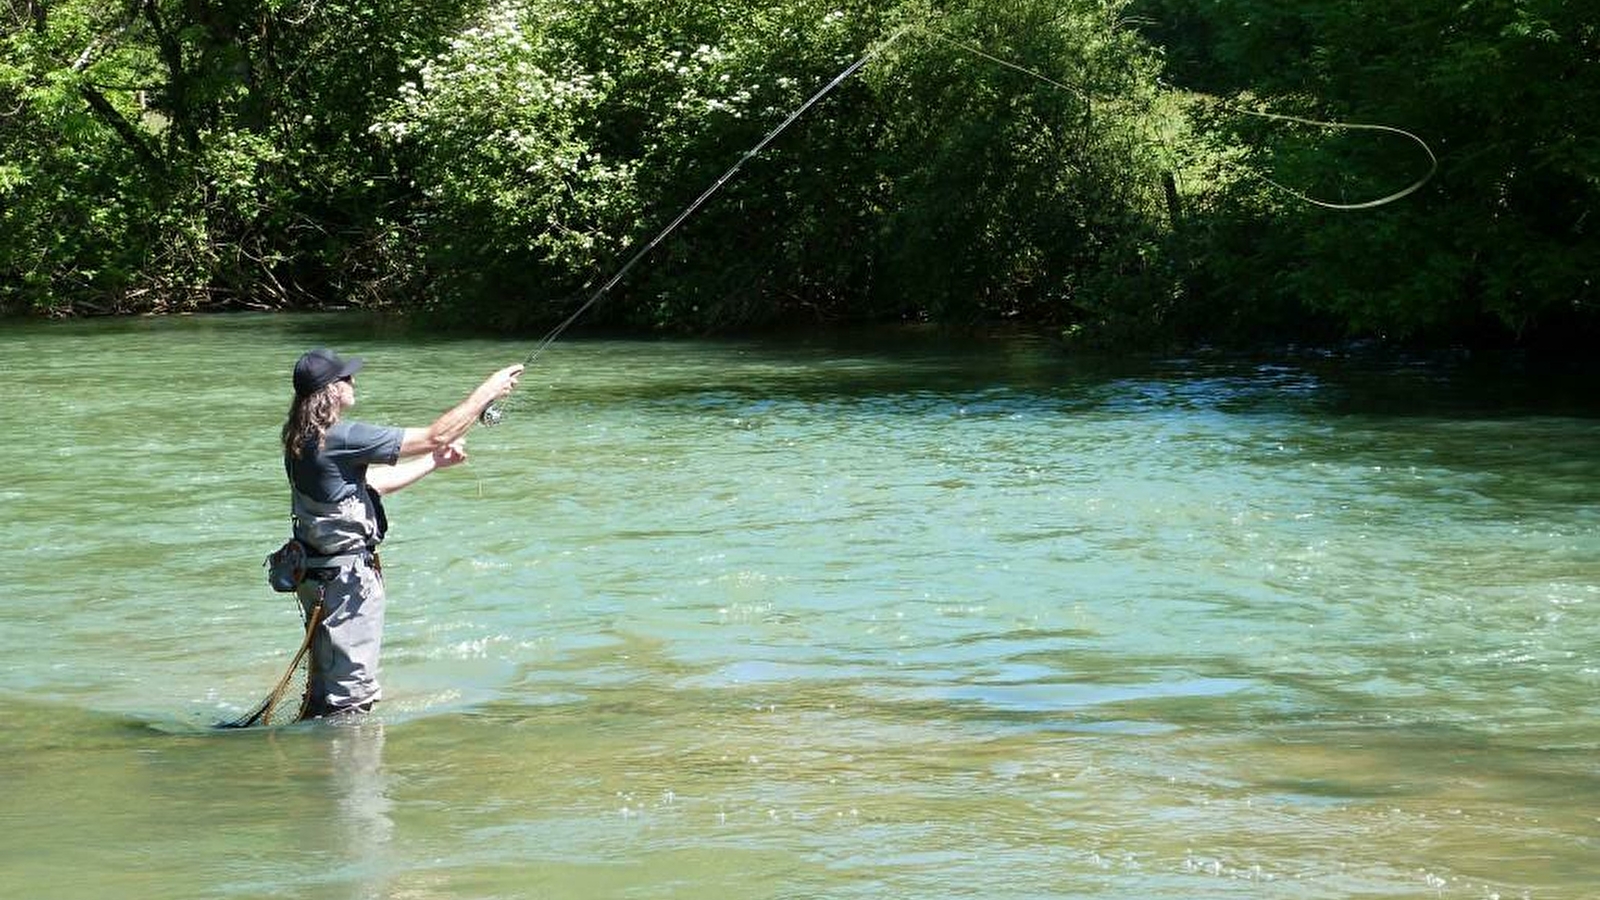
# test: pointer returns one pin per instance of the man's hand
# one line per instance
(450, 454)
(503, 382)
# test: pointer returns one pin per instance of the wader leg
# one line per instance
(345, 650)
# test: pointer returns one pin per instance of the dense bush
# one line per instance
(165, 155)
(552, 140)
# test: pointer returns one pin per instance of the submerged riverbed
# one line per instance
(857, 616)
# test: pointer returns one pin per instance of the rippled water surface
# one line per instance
(869, 616)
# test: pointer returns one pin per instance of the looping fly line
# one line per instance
(493, 413)
(1408, 190)
(1413, 187)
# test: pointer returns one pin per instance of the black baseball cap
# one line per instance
(321, 367)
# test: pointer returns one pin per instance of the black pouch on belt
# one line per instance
(286, 566)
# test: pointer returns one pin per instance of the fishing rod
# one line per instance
(493, 413)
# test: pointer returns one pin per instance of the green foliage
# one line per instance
(494, 162)
(1019, 197)
(510, 192)
(170, 155)
(552, 141)
(1501, 242)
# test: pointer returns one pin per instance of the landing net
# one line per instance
(287, 701)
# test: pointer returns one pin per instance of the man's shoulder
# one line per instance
(352, 432)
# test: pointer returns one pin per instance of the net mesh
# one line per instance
(286, 702)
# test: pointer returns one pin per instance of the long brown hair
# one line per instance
(309, 419)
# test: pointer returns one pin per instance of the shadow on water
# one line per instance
(864, 362)
(1019, 373)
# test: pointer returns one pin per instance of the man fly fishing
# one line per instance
(338, 471)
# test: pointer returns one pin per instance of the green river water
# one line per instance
(850, 617)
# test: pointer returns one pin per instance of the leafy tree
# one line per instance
(1026, 173)
(552, 141)
(163, 154)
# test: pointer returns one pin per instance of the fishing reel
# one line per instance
(491, 415)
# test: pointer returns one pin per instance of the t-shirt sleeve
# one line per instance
(358, 442)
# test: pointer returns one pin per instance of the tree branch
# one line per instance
(124, 129)
(131, 136)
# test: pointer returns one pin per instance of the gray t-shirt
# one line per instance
(339, 470)
(334, 510)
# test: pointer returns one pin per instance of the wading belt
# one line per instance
(369, 557)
